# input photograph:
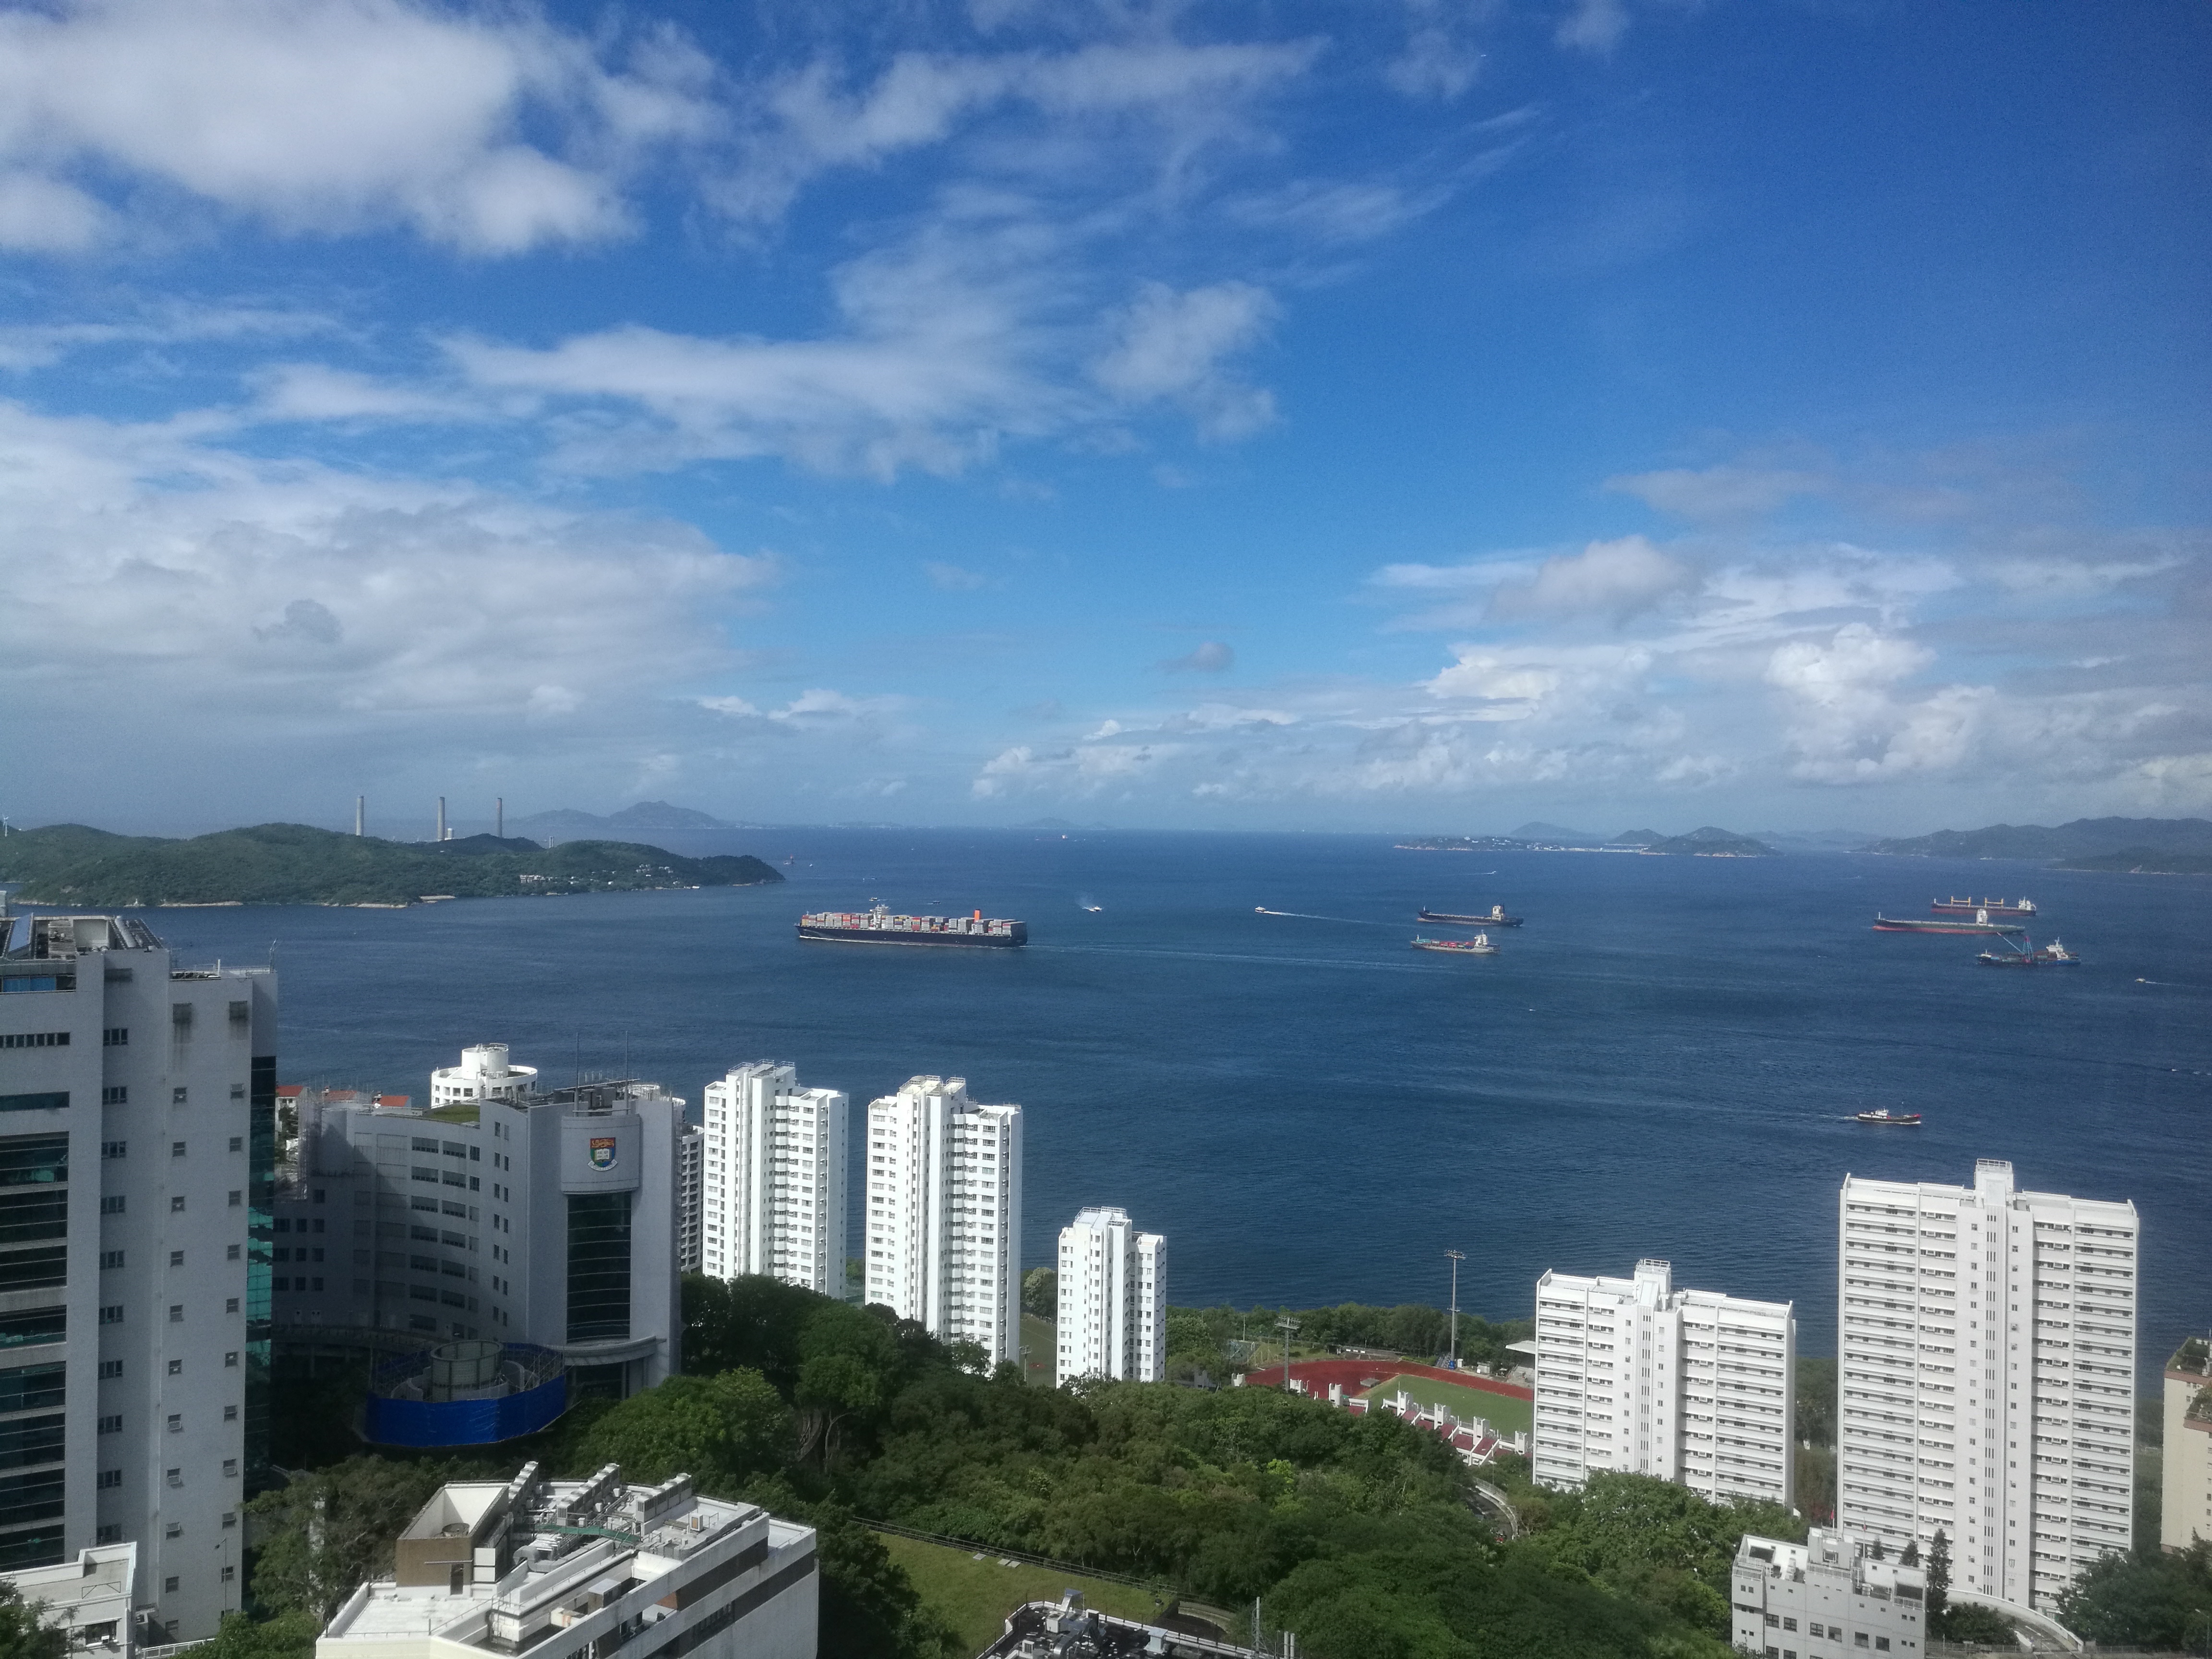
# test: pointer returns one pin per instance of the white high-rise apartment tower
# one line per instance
(1113, 1299)
(1987, 1345)
(773, 1184)
(1688, 1386)
(945, 1214)
(137, 1101)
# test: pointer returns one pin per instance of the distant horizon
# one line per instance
(392, 830)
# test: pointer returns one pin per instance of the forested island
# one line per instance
(1708, 842)
(69, 864)
(2141, 846)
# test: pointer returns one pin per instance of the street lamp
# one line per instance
(1457, 1256)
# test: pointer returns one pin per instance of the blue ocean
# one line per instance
(1664, 1061)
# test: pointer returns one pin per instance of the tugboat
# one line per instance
(2055, 954)
(1883, 1115)
(1479, 945)
(1496, 918)
(1996, 907)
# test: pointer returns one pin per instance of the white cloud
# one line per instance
(1172, 345)
(332, 116)
(954, 579)
(1593, 25)
(1213, 657)
(1620, 577)
(40, 214)
(1720, 493)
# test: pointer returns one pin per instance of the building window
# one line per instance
(230, 1466)
(111, 1259)
(176, 1203)
(237, 1199)
(110, 1534)
(115, 1094)
(111, 1424)
(109, 1479)
(237, 1143)
(176, 1368)
(112, 1314)
(176, 1476)
(176, 1258)
(231, 1254)
(231, 1358)
(177, 1096)
(114, 1149)
(230, 1304)
(113, 1205)
(169, 1586)
(176, 1149)
(110, 1368)
(230, 1413)
(229, 1574)
(116, 1036)
(176, 1423)
(176, 1313)
(598, 1266)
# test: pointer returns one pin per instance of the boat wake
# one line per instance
(1308, 916)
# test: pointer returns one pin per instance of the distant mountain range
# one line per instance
(565, 823)
(68, 864)
(2152, 846)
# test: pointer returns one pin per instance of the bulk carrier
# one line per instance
(1980, 924)
(880, 926)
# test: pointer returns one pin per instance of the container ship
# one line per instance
(1996, 907)
(1496, 918)
(880, 926)
(1980, 923)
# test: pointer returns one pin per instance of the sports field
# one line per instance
(1501, 1411)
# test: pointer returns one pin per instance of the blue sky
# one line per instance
(1382, 416)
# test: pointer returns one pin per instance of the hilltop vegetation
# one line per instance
(292, 864)
(1356, 1532)
(2148, 844)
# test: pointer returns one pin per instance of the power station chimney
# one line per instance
(360, 814)
(441, 817)
(499, 816)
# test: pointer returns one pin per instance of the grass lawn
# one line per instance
(1041, 1338)
(1501, 1411)
(977, 1595)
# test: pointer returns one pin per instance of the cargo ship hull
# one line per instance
(1007, 941)
(1912, 924)
(1966, 907)
(1496, 919)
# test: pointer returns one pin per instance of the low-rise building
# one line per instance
(1688, 1386)
(1831, 1597)
(586, 1566)
(2185, 1511)
(89, 1595)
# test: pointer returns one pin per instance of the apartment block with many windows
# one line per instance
(773, 1178)
(137, 1110)
(1113, 1299)
(1687, 1386)
(1987, 1345)
(944, 1230)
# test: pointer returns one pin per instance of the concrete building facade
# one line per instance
(1688, 1386)
(2185, 1461)
(587, 1567)
(773, 1178)
(137, 1100)
(1987, 1342)
(691, 1196)
(547, 1219)
(1113, 1299)
(1826, 1598)
(943, 1226)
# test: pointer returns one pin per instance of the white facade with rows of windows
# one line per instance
(1688, 1386)
(1987, 1339)
(945, 1214)
(1113, 1299)
(773, 1178)
(546, 1218)
(133, 1313)
(1830, 1597)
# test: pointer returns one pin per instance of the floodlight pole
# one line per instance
(1457, 1256)
(1289, 1327)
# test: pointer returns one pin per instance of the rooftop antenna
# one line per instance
(1457, 1256)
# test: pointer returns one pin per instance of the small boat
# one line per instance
(1094, 909)
(1996, 907)
(1496, 918)
(1884, 1115)
(1479, 945)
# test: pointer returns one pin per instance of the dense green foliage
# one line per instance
(1710, 843)
(1356, 1532)
(23, 1635)
(1040, 1292)
(2147, 1599)
(292, 864)
(1199, 1336)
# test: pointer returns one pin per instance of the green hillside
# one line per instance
(1710, 843)
(292, 864)
(2113, 843)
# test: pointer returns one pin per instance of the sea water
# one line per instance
(1664, 1061)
